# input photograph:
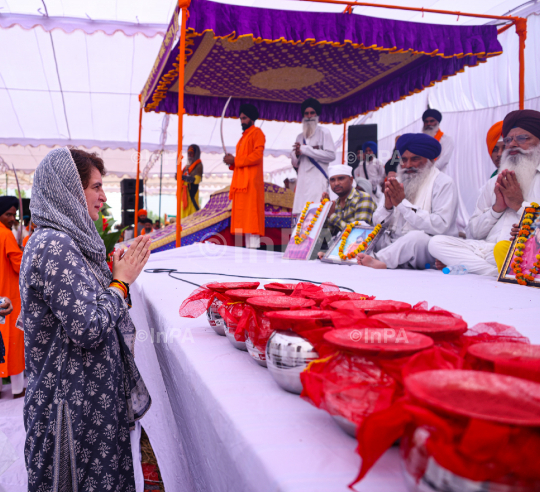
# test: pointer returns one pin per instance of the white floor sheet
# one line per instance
(220, 423)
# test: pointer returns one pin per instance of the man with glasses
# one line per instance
(502, 200)
(313, 151)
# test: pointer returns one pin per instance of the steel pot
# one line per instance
(230, 328)
(214, 318)
(258, 356)
(287, 355)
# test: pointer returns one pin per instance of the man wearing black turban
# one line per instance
(10, 264)
(432, 118)
(419, 204)
(313, 151)
(501, 203)
(247, 186)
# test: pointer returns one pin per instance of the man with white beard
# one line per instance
(502, 199)
(420, 203)
(313, 151)
(432, 119)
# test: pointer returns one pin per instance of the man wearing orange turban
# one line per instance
(141, 215)
(495, 145)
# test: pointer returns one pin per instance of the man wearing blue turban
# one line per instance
(432, 119)
(369, 167)
(420, 203)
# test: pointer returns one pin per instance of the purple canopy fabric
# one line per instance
(275, 59)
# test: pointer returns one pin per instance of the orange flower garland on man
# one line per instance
(192, 176)
(247, 187)
(10, 264)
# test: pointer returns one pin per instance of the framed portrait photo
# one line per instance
(305, 242)
(357, 236)
(522, 262)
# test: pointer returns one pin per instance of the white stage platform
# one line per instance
(232, 427)
(218, 421)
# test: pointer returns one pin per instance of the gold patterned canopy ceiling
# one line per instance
(276, 59)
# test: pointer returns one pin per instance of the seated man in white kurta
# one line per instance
(419, 204)
(313, 151)
(502, 199)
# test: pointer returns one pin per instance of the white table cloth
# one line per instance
(220, 423)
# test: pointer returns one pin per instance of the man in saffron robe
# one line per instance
(495, 145)
(432, 118)
(10, 264)
(247, 187)
(192, 176)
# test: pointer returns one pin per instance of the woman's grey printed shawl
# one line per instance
(84, 391)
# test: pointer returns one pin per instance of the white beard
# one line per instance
(432, 131)
(412, 183)
(523, 164)
(309, 126)
(191, 160)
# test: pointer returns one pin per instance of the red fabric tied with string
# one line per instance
(481, 426)
(324, 299)
(256, 324)
(202, 297)
(514, 359)
(304, 289)
(311, 324)
(287, 289)
(364, 375)
(360, 309)
(448, 329)
(234, 304)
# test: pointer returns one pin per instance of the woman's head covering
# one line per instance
(526, 119)
(432, 113)
(250, 111)
(419, 144)
(6, 202)
(58, 202)
(312, 103)
(493, 136)
(371, 145)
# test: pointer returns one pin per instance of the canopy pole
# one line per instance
(521, 30)
(183, 4)
(138, 170)
(344, 140)
(160, 181)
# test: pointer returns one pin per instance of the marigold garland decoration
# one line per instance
(361, 247)
(523, 234)
(299, 238)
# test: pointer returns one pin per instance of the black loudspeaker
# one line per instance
(26, 206)
(128, 202)
(128, 217)
(127, 186)
(357, 135)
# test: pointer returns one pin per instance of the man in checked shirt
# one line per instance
(352, 205)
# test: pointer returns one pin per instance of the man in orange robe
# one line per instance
(247, 187)
(10, 264)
